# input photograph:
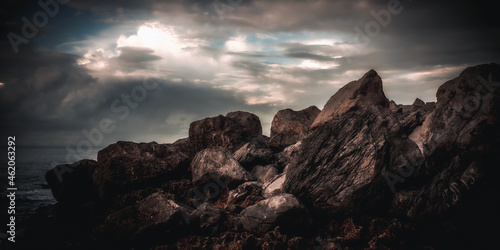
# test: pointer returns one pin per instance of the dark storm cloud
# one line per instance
(255, 69)
(48, 98)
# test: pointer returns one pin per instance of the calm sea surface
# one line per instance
(31, 165)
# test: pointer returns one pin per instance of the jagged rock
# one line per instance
(264, 174)
(342, 165)
(274, 186)
(213, 164)
(412, 116)
(72, 182)
(230, 131)
(282, 210)
(288, 155)
(461, 141)
(126, 166)
(254, 153)
(244, 195)
(290, 126)
(367, 91)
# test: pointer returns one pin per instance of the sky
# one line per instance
(90, 73)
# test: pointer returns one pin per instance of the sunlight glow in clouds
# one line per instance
(155, 36)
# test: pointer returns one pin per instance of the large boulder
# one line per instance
(217, 165)
(460, 140)
(289, 126)
(72, 182)
(367, 91)
(126, 166)
(282, 210)
(254, 153)
(342, 165)
(230, 131)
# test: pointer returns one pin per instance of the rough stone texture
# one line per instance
(230, 131)
(342, 165)
(277, 210)
(211, 164)
(244, 195)
(377, 177)
(460, 140)
(264, 174)
(367, 91)
(72, 182)
(150, 220)
(205, 218)
(274, 186)
(254, 153)
(125, 166)
(412, 116)
(288, 126)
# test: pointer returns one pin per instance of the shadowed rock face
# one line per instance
(230, 131)
(460, 140)
(72, 182)
(368, 174)
(341, 166)
(288, 126)
(367, 91)
(125, 166)
(270, 212)
(210, 164)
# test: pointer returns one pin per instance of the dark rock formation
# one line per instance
(244, 195)
(72, 182)
(341, 166)
(364, 92)
(230, 131)
(254, 153)
(460, 140)
(278, 210)
(126, 166)
(217, 164)
(264, 174)
(288, 126)
(367, 174)
(153, 219)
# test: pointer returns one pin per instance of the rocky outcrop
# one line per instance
(367, 174)
(288, 126)
(254, 153)
(460, 141)
(217, 164)
(230, 131)
(341, 167)
(367, 91)
(126, 166)
(72, 182)
(278, 210)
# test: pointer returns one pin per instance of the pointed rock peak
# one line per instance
(418, 102)
(364, 92)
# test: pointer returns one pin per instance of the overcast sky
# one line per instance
(144, 70)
